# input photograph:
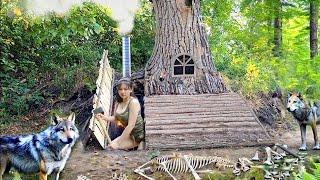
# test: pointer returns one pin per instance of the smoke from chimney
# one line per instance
(123, 11)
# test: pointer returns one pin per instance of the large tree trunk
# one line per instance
(180, 34)
(313, 28)
(277, 29)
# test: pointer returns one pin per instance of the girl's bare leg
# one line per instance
(123, 143)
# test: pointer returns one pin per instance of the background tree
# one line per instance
(314, 28)
(277, 27)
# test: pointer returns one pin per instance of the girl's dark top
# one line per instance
(138, 131)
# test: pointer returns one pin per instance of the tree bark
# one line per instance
(277, 29)
(313, 28)
(179, 30)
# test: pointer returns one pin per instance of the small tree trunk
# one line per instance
(180, 33)
(277, 29)
(313, 28)
(269, 5)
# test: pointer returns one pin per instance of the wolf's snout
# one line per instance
(288, 108)
(69, 140)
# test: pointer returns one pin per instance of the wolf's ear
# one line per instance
(299, 95)
(55, 119)
(72, 117)
(289, 95)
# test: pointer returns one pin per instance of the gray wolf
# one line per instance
(305, 115)
(45, 153)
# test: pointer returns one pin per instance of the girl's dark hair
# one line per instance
(126, 81)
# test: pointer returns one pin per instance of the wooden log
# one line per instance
(194, 103)
(221, 96)
(218, 120)
(202, 125)
(206, 145)
(206, 141)
(202, 130)
(235, 138)
(201, 115)
(195, 110)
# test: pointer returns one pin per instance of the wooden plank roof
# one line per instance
(201, 121)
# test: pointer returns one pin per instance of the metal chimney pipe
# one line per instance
(126, 57)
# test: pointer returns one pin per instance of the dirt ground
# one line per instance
(106, 164)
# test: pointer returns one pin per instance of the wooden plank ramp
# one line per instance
(201, 121)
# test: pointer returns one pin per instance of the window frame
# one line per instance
(183, 64)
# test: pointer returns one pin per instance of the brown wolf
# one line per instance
(305, 116)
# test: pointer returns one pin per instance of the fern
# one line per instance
(316, 171)
(312, 172)
(308, 176)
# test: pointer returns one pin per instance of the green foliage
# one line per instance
(253, 173)
(153, 154)
(49, 50)
(54, 56)
(311, 170)
(241, 41)
(142, 36)
(240, 46)
(16, 176)
(217, 175)
(296, 71)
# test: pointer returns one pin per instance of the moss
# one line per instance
(15, 175)
(254, 173)
(218, 175)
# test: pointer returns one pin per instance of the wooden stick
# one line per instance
(288, 151)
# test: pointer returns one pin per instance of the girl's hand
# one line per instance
(100, 117)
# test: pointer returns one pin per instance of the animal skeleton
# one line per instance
(242, 165)
(121, 176)
(82, 177)
(278, 165)
(181, 164)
